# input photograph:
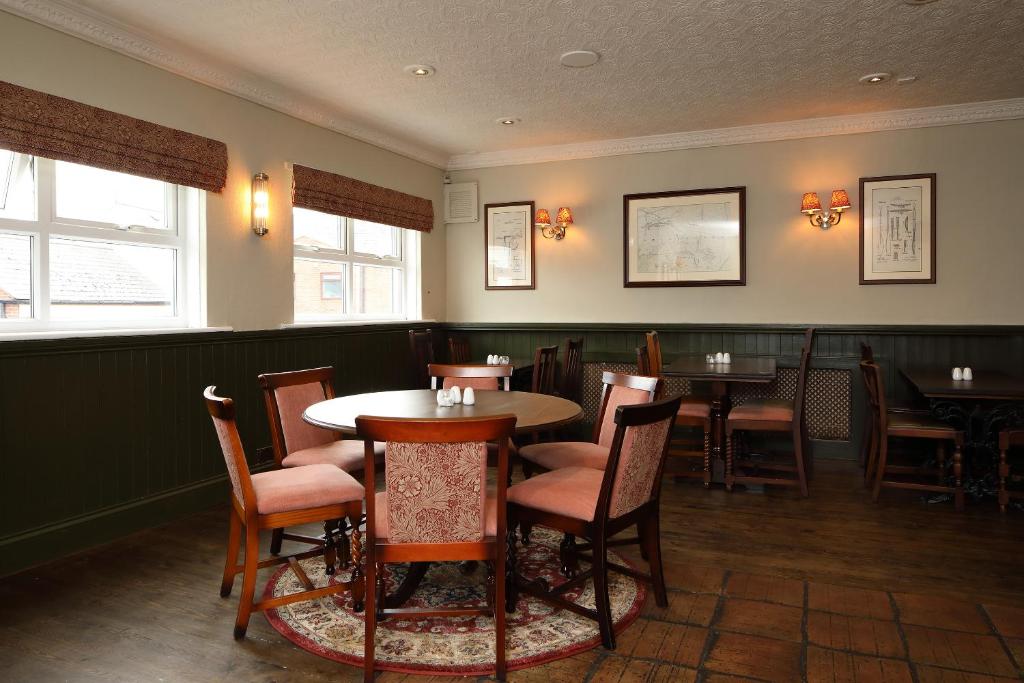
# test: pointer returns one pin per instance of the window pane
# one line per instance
(377, 291)
(104, 281)
(315, 229)
(15, 277)
(319, 288)
(93, 194)
(17, 186)
(376, 239)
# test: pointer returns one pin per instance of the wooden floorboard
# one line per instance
(146, 608)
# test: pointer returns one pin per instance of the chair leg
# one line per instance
(252, 549)
(1004, 472)
(344, 551)
(371, 621)
(330, 552)
(567, 554)
(489, 581)
(234, 542)
(276, 538)
(801, 472)
(730, 479)
(357, 578)
(601, 599)
(527, 468)
(511, 591)
(499, 612)
(958, 493)
(940, 457)
(650, 538)
(883, 456)
(524, 532)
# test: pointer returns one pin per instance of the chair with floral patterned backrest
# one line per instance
(435, 507)
(596, 505)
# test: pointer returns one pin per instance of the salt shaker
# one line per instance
(490, 359)
(968, 374)
(958, 374)
(726, 358)
(441, 397)
(719, 357)
(469, 398)
(710, 358)
(456, 394)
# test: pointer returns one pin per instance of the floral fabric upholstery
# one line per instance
(380, 525)
(478, 383)
(639, 460)
(619, 396)
(292, 401)
(436, 491)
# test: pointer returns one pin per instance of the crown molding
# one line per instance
(925, 117)
(131, 41)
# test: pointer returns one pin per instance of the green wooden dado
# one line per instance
(103, 436)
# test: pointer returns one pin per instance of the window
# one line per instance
(86, 248)
(352, 269)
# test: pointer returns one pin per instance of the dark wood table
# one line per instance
(522, 371)
(721, 377)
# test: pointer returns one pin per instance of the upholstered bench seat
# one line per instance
(559, 454)
(569, 491)
(695, 408)
(299, 488)
(380, 526)
(346, 455)
(770, 410)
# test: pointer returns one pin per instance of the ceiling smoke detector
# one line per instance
(507, 120)
(872, 79)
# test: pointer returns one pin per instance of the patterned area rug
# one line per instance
(536, 632)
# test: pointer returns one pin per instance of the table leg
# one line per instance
(412, 581)
(720, 404)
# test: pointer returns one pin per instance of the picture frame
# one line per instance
(685, 238)
(897, 230)
(509, 246)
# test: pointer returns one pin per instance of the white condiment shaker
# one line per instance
(726, 358)
(958, 374)
(968, 374)
(456, 394)
(469, 398)
(441, 397)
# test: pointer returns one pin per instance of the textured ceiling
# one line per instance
(666, 66)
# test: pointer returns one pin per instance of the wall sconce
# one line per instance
(260, 203)
(811, 207)
(563, 219)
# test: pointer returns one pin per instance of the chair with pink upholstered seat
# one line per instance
(435, 507)
(276, 499)
(296, 442)
(596, 505)
(480, 377)
(772, 415)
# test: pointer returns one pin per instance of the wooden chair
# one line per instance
(458, 350)
(297, 443)
(693, 412)
(421, 343)
(571, 384)
(468, 525)
(890, 424)
(773, 416)
(545, 362)
(1007, 439)
(595, 506)
(480, 377)
(277, 499)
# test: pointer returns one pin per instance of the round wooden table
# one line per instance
(534, 412)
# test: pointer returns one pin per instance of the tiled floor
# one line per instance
(732, 626)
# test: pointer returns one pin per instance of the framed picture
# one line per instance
(897, 230)
(509, 246)
(690, 238)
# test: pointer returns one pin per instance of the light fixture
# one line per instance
(579, 59)
(875, 78)
(563, 219)
(419, 70)
(260, 203)
(810, 206)
(507, 120)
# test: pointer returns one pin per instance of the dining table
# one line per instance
(720, 378)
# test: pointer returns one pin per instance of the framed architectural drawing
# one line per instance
(509, 246)
(691, 238)
(897, 230)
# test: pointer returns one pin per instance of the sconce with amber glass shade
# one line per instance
(563, 219)
(810, 206)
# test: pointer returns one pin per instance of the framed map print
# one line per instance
(509, 246)
(897, 230)
(690, 238)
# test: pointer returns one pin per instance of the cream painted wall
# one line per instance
(249, 278)
(795, 273)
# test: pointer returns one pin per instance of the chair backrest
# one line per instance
(799, 401)
(637, 457)
(458, 350)
(571, 385)
(486, 377)
(1011, 437)
(619, 390)
(435, 475)
(545, 362)
(421, 343)
(643, 361)
(866, 352)
(654, 353)
(875, 385)
(222, 412)
(287, 395)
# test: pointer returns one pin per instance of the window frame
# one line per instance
(185, 211)
(348, 259)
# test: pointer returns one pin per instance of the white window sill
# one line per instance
(117, 332)
(347, 323)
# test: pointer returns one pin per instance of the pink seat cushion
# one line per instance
(556, 455)
(380, 524)
(767, 410)
(695, 408)
(570, 491)
(301, 488)
(346, 455)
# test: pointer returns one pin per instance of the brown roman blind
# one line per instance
(33, 122)
(342, 196)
